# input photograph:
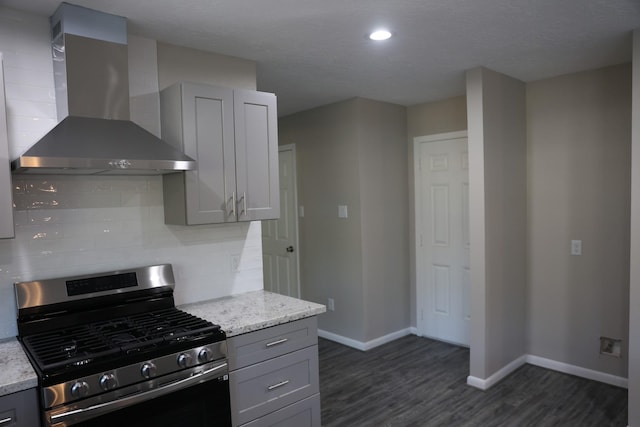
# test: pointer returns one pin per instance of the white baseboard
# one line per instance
(565, 368)
(578, 371)
(364, 346)
(484, 384)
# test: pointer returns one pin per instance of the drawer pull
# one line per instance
(280, 384)
(5, 421)
(271, 344)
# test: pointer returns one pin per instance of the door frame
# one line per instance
(296, 239)
(420, 273)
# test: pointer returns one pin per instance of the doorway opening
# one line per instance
(280, 258)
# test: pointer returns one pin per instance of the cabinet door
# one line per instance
(6, 200)
(256, 155)
(305, 413)
(208, 138)
(20, 409)
(265, 344)
(265, 387)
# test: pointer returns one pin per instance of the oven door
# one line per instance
(197, 401)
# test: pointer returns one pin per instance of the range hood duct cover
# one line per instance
(95, 136)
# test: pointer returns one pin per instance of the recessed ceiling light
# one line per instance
(380, 35)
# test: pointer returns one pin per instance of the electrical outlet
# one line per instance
(331, 304)
(610, 346)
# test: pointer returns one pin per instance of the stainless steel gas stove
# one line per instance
(112, 348)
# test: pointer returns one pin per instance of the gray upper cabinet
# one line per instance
(232, 134)
(6, 200)
(256, 136)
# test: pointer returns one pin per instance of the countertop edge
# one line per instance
(22, 376)
(251, 311)
(272, 322)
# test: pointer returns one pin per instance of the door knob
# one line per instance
(290, 249)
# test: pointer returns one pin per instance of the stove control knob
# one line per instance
(108, 382)
(204, 355)
(184, 360)
(79, 389)
(148, 370)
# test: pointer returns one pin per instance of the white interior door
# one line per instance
(280, 237)
(442, 237)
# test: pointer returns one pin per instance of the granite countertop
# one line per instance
(237, 314)
(242, 313)
(19, 375)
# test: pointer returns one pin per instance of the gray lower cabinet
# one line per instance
(273, 376)
(232, 135)
(6, 200)
(19, 409)
(303, 413)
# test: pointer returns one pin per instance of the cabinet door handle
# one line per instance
(243, 199)
(271, 344)
(233, 203)
(280, 384)
(5, 421)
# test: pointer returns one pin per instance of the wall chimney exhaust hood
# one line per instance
(95, 135)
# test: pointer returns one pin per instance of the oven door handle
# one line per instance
(82, 414)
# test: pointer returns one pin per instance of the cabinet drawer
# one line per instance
(19, 409)
(265, 387)
(254, 347)
(305, 413)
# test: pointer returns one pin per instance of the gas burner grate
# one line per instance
(138, 333)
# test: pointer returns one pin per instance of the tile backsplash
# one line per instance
(67, 225)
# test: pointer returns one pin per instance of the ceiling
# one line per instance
(314, 52)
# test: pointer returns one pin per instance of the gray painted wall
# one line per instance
(326, 142)
(634, 294)
(177, 63)
(384, 217)
(579, 174)
(353, 153)
(447, 115)
(497, 171)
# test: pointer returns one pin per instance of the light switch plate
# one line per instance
(301, 211)
(576, 247)
(342, 211)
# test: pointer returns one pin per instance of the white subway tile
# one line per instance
(129, 184)
(20, 92)
(93, 200)
(34, 76)
(44, 216)
(33, 110)
(42, 201)
(23, 132)
(20, 218)
(250, 258)
(106, 229)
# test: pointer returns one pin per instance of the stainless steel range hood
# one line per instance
(95, 135)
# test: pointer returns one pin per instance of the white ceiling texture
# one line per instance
(314, 52)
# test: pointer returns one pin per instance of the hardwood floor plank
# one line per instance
(419, 382)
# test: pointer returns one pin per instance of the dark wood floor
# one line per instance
(420, 382)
